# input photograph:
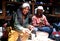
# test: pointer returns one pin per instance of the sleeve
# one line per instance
(30, 19)
(33, 21)
(17, 26)
(45, 21)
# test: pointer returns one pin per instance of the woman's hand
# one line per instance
(41, 24)
(30, 27)
(26, 30)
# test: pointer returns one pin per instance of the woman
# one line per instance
(21, 21)
(40, 22)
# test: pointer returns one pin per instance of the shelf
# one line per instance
(8, 17)
(33, 4)
(44, 4)
(14, 2)
(53, 15)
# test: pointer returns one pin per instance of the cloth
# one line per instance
(43, 29)
(56, 26)
(36, 21)
(13, 35)
(18, 21)
(17, 36)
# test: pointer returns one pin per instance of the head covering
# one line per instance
(25, 5)
(35, 10)
(39, 7)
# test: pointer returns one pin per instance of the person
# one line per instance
(22, 17)
(21, 20)
(39, 21)
(56, 25)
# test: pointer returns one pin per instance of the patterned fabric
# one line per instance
(13, 35)
(36, 21)
(17, 36)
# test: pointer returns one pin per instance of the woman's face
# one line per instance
(39, 11)
(25, 10)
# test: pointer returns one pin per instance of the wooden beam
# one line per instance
(3, 9)
(33, 4)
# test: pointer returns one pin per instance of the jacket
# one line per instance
(18, 22)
